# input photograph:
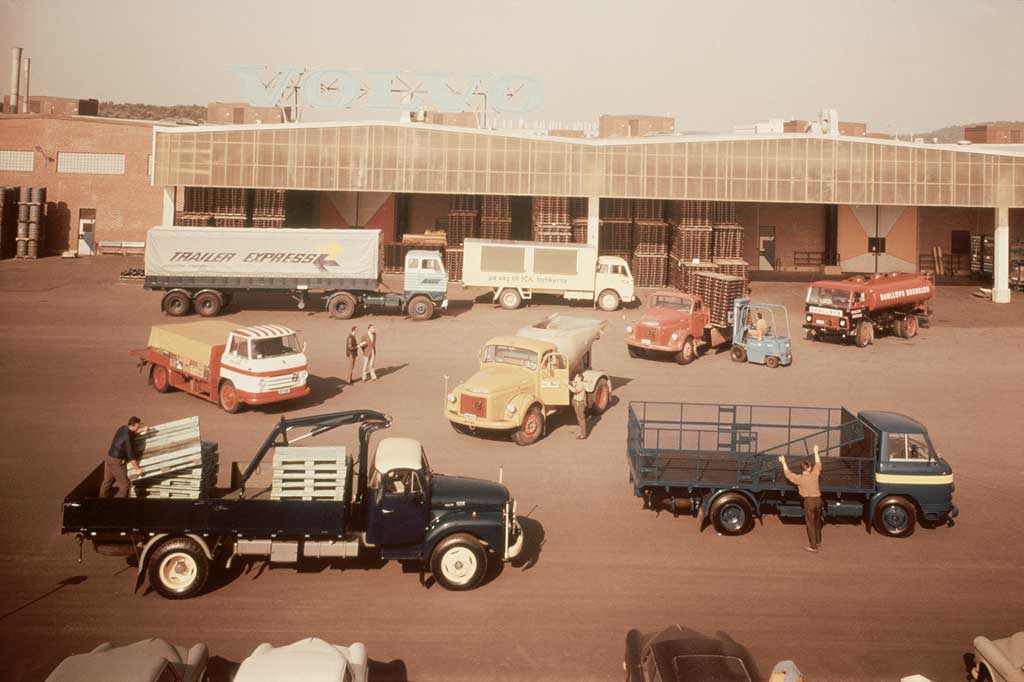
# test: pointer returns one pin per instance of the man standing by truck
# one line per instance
(351, 352)
(370, 353)
(806, 483)
(115, 464)
(579, 404)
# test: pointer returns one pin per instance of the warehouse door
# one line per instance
(86, 231)
(766, 247)
(522, 217)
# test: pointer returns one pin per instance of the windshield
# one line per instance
(510, 355)
(910, 446)
(275, 347)
(673, 302)
(710, 667)
(839, 298)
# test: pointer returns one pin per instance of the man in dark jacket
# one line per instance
(352, 351)
(121, 452)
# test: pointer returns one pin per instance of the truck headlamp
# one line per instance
(808, 317)
(510, 408)
(675, 336)
(842, 322)
(303, 375)
(451, 397)
(629, 329)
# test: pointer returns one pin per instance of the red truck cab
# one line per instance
(672, 322)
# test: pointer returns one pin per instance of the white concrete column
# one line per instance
(168, 214)
(593, 219)
(1001, 257)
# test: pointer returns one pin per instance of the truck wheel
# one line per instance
(532, 428)
(910, 327)
(228, 397)
(738, 354)
(208, 303)
(421, 308)
(176, 304)
(771, 361)
(609, 301)
(864, 334)
(732, 515)
(688, 352)
(161, 379)
(510, 299)
(895, 517)
(898, 328)
(459, 562)
(602, 397)
(179, 569)
(341, 306)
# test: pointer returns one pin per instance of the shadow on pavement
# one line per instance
(533, 543)
(73, 580)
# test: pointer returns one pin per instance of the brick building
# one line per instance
(995, 133)
(56, 106)
(631, 125)
(241, 113)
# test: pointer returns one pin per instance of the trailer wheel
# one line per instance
(208, 303)
(341, 306)
(176, 303)
(910, 326)
(421, 308)
(688, 352)
(865, 334)
(161, 379)
(731, 514)
(609, 301)
(510, 299)
(178, 569)
(895, 517)
(459, 562)
(738, 354)
(228, 397)
(899, 328)
(532, 428)
(771, 362)
(602, 397)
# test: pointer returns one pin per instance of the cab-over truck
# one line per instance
(722, 461)
(398, 507)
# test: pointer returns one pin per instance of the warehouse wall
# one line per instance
(899, 226)
(376, 210)
(798, 227)
(424, 209)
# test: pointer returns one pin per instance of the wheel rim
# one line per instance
(733, 517)
(895, 518)
(688, 351)
(227, 396)
(608, 302)
(176, 305)
(420, 309)
(178, 571)
(458, 565)
(602, 397)
(911, 326)
(530, 427)
(510, 300)
(160, 377)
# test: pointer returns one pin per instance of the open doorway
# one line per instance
(522, 217)
(766, 247)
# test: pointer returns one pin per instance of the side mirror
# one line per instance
(303, 346)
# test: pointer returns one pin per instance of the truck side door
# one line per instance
(398, 509)
(554, 379)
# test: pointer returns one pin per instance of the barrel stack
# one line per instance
(30, 234)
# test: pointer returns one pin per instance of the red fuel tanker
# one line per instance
(860, 306)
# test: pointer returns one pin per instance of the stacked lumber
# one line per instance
(496, 217)
(718, 292)
(313, 473)
(692, 242)
(175, 463)
(737, 267)
(688, 272)
(432, 239)
(650, 270)
(728, 240)
(615, 236)
(453, 259)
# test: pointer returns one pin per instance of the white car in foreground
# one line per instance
(309, 660)
(149, 660)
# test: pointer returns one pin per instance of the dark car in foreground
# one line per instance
(679, 655)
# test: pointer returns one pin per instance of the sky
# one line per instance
(898, 65)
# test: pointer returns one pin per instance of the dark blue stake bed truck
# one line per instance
(396, 508)
(722, 462)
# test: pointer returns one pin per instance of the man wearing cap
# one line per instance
(121, 452)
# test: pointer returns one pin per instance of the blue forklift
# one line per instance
(760, 333)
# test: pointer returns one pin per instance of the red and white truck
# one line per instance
(858, 307)
(226, 364)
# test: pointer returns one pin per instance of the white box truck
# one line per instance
(516, 270)
(201, 267)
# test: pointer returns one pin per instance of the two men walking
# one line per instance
(365, 347)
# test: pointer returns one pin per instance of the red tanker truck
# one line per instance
(857, 307)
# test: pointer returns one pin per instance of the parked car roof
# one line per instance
(143, 661)
(686, 656)
(309, 660)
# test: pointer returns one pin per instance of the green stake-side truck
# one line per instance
(722, 461)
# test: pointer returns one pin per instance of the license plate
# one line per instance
(820, 323)
(469, 416)
(645, 342)
(283, 391)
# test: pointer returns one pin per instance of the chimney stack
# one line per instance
(24, 104)
(12, 103)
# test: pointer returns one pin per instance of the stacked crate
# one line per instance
(718, 292)
(495, 217)
(268, 208)
(175, 463)
(687, 274)
(728, 240)
(578, 214)
(551, 221)
(461, 223)
(312, 473)
(650, 244)
(615, 238)
(736, 267)
(453, 264)
(650, 270)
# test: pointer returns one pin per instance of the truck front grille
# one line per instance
(473, 405)
(282, 381)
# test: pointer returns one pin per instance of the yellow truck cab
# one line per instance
(524, 378)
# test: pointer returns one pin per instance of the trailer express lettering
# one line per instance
(318, 259)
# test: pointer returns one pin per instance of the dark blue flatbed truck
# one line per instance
(720, 462)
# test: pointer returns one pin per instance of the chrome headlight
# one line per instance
(675, 336)
(510, 408)
(303, 375)
(842, 322)
(629, 329)
(808, 318)
(451, 397)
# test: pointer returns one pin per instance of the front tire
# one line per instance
(732, 515)
(910, 327)
(688, 353)
(609, 301)
(738, 354)
(459, 562)
(227, 396)
(895, 517)
(510, 299)
(532, 428)
(771, 362)
(865, 334)
(341, 306)
(421, 308)
(178, 569)
(602, 397)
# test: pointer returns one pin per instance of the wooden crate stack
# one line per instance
(268, 208)
(649, 270)
(310, 473)
(175, 463)
(688, 273)
(617, 209)
(718, 292)
(650, 243)
(737, 267)
(453, 264)
(728, 240)
(495, 217)
(462, 219)
(578, 213)
(692, 242)
(551, 221)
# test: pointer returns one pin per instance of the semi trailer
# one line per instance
(860, 307)
(201, 268)
(516, 270)
(397, 508)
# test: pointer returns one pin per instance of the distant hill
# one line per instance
(951, 134)
(152, 112)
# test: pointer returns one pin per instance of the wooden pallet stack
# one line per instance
(268, 208)
(495, 217)
(551, 221)
(175, 463)
(718, 292)
(312, 473)
(578, 213)
(453, 259)
(462, 219)
(649, 270)
(692, 242)
(650, 243)
(688, 273)
(737, 267)
(728, 240)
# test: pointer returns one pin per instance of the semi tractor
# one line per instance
(524, 378)
(860, 307)
(516, 270)
(226, 364)
(397, 508)
(721, 461)
(200, 268)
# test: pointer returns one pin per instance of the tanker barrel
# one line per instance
(573, 336)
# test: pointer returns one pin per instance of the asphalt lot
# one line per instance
(866, 608)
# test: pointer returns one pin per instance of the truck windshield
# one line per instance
(910, 447)
(275, 347)
(510, 355)
(839, 298)
(672, 302)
